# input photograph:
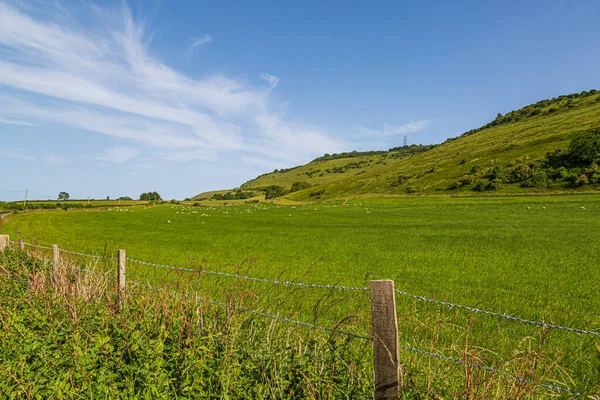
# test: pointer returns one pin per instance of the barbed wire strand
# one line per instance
(322, 328)
(37, 246)
(497, 371)
(411, 349)
(495, 314)
(250, 278)
(88, 255)
(315, 286)
(260, 313)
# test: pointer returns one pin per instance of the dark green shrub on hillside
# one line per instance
(494, 185)
(476, 168)
(274, 191)
(479, 186)
(455, 185)
(537, 179)
(317, 194)
(400, 180)
(585, 149)
(519, 173)
(467, 179)
(498, 173)
(296, 186)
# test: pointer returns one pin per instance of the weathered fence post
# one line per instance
(55, 257)
(121, 273)
(4, 241)
(385, 340)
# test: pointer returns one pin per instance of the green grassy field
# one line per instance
(535, 257)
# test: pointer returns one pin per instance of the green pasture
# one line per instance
(505, 253)
(535, 257)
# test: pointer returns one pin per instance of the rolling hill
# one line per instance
(508, 155)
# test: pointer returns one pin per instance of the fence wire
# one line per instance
(88, 255)
(250, 278)
(37, 246)
(505, 316)
(497, 371)
(322, 328)
(260, 313)
(407, 348)
(336, 287)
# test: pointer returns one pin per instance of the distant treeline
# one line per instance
(400, 151)
(236, 195)
(274, 191)
(43, 206)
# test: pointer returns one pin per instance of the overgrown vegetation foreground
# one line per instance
(67, 335)
(63, 336)
(532, 257)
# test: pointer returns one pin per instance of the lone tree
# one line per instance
(150, 196)
(63, 196)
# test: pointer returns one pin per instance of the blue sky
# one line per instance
(102, 98)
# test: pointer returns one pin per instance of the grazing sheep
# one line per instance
(168, 222)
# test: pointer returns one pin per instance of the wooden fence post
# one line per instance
(4, 241)
(121, 272)
(386, 350)
(55, 258)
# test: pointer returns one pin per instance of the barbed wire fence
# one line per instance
(5, 241)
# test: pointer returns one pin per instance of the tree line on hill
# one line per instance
(236, 195)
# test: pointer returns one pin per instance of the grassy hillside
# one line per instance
(333, 168)
(513, 144)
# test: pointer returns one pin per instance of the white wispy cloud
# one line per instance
(271, 79)
(15, 155)
(118, 154)
(410, 127)
(101, 78)
(199, 41)
(14, 122)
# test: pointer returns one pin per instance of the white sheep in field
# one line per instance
(168, 222)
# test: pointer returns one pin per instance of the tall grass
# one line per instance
(65, 335)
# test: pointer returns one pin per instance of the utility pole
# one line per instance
(25, 201)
